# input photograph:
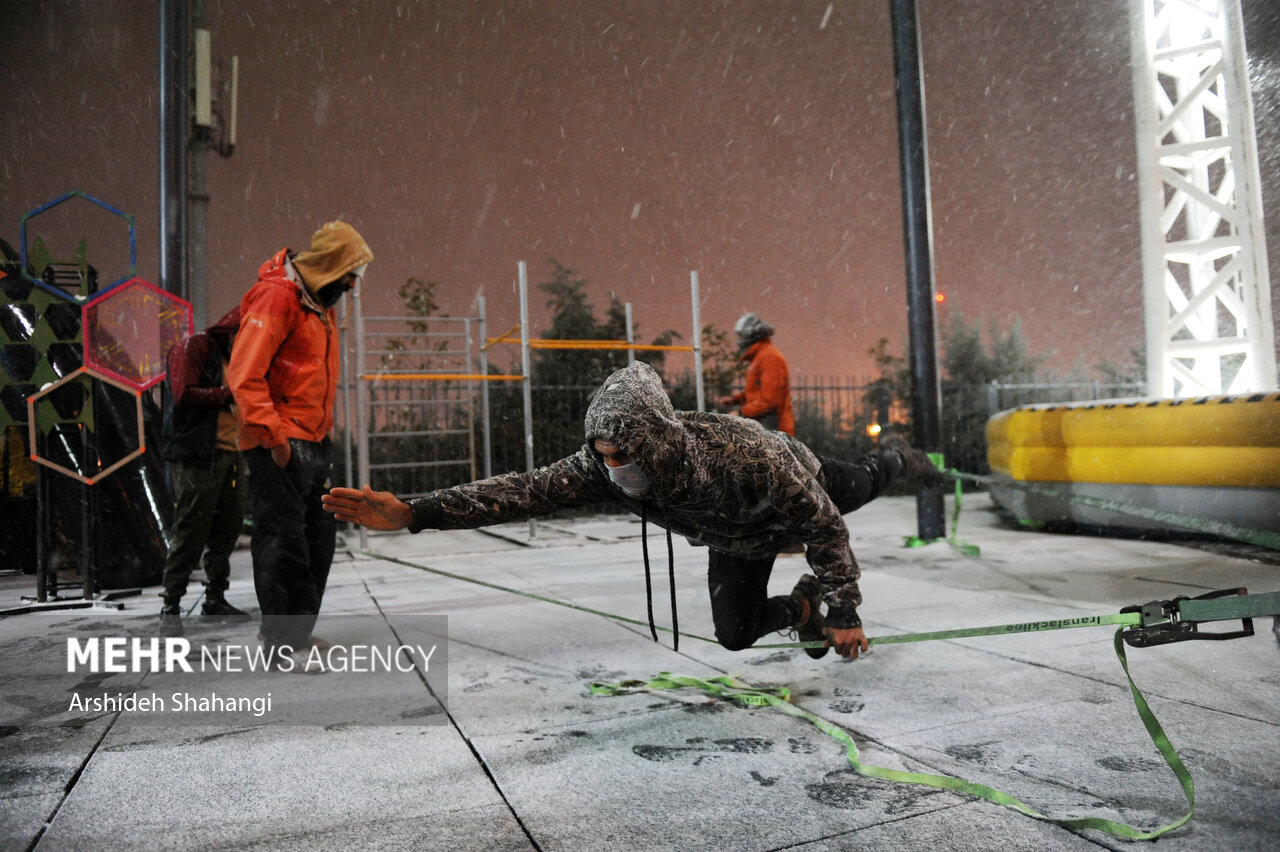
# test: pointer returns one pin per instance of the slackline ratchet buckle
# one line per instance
(1163, 622)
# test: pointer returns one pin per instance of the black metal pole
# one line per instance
(913, 154)
(43, 534)
(174, 118)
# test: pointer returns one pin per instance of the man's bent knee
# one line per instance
(735, 640)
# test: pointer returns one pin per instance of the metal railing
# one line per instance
(422, 435)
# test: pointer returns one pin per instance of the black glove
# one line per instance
(917, 467)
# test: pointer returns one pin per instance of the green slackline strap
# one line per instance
(1250, 535)
(1124, 619)
(957, 543)
(1229, 608)
(1127, 618)
(778, 697)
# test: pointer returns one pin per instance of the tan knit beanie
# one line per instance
(336, 249)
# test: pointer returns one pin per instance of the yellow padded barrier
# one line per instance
(1235, 467)
(1219, 441)
(1237, 421)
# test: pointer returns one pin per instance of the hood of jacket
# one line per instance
(631, 409)
(336, 249)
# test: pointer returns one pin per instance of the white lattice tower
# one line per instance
(1206, 291)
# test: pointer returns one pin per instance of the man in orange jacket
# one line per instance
(284, 375)
(767, 395)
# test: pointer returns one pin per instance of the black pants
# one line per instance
(740, 604)
(208, 514)
(293, 539)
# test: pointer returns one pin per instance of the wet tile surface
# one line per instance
(528, 758)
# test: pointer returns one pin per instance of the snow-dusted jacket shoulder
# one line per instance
(720, 481)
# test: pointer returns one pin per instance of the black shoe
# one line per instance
(219, 608)
(808, 597)
(171, 620)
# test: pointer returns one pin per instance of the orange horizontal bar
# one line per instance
(501, 338)
(542, 343)
(439, 377)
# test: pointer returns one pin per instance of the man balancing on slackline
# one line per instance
(725, 482)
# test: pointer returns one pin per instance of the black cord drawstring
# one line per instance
(671, 575)
(648, 580)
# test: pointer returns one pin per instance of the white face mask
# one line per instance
(629, 478)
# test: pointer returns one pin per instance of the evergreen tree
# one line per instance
(969, 368)
(564, 380)
(722, 368)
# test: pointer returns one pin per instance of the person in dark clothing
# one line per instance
(725, 482)
(201, 445)
(284, 374)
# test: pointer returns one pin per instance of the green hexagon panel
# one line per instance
(40, 342)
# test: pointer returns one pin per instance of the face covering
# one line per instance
(329, 294)
(629, 478)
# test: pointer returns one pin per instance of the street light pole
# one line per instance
(914, 160)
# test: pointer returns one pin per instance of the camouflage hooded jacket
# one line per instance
(720, 481)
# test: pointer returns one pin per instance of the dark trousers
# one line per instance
(293, 539)
(739, 587)
(208, 516)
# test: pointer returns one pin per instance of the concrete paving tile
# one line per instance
(202, 788)
(968, 827)
(604, 527)
(1240, 676)
(883, 697)
(33, 682)
(39, 760)
(480, 829)
(1099, 761)
(426, 542)
(22, 817)
(534, 667)
(1236, 775)
(664, 778)
(608, 579)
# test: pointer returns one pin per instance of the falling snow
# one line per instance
(635, 142)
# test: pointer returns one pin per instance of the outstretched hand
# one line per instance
(377, 510)
(847, 642)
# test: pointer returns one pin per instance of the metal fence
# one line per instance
(429, 436)
(966, 409)
(829, 396)
(1001, 397)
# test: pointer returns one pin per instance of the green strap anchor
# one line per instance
(957, 543)
(1155, 623)
(778, 698)
(1140, 626)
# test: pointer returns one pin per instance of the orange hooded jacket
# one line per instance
(768, 386)
(284, 367)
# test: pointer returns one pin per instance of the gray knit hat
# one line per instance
(751, 329)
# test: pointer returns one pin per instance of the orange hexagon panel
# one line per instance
(129, 329)
(65, 412)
